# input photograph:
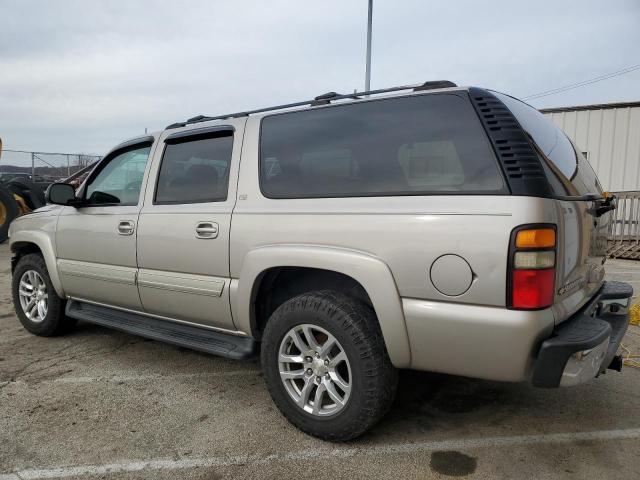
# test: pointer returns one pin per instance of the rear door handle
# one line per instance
(126, 227)
(206, 230)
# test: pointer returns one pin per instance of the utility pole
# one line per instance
(367, 80)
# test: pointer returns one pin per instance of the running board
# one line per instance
(188, 336)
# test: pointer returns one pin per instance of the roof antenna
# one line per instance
(367, 74)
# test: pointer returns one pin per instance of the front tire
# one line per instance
(326, 365)
(36, 303)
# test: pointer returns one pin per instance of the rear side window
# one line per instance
(195, 170)
(420, 145)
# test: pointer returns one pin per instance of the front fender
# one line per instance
(373, 274)
(43, 240)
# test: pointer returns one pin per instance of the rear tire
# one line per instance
(37, 305)
(369, 389)
(8, 211)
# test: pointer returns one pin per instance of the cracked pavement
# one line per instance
(103, 404)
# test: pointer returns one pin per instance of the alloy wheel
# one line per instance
(34, 298)
(315, 370)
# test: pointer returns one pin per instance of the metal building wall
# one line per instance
(610, 134)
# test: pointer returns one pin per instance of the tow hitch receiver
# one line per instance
(616, 363)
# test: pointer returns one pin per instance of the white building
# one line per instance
(610, 135)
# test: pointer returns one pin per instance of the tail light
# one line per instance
(532, 267)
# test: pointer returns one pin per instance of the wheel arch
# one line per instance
(276, 285)
(26, 242)
(369, 278)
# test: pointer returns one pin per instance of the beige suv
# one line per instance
(432, 227)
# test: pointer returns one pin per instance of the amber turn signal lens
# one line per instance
(536, 238)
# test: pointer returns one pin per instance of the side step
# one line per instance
(188, 336)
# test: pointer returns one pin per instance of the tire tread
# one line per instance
(359, 323)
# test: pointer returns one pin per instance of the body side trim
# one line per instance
(315, 212)
(106, 273)
(181, 282)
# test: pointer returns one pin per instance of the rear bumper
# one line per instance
(584, 346)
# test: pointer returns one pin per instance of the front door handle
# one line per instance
(206, 230)
(126, 227)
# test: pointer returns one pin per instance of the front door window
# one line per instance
(120, 180)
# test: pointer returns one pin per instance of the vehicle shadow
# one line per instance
(432, 403)
(429, 401)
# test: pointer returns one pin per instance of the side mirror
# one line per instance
(61, 194)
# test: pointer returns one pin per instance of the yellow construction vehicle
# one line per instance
(17, 197)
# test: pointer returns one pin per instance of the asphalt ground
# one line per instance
(102, 404)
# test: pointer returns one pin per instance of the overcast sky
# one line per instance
(80, 76)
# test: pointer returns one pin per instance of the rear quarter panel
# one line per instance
(408, 233)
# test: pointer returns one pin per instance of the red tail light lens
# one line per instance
(533, 288)
(532, 261)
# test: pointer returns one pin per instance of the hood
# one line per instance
(46, 209)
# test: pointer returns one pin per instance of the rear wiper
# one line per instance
(603, 203)
(589, 197)
(609, 203)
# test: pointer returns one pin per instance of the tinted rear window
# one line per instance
(416, 145)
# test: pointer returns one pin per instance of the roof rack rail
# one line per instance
(432, 85)
(319, 100)
(326, 98)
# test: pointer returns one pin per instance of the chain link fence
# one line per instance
(43, 166)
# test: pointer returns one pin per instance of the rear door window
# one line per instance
(420, 145)
(195, 170)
